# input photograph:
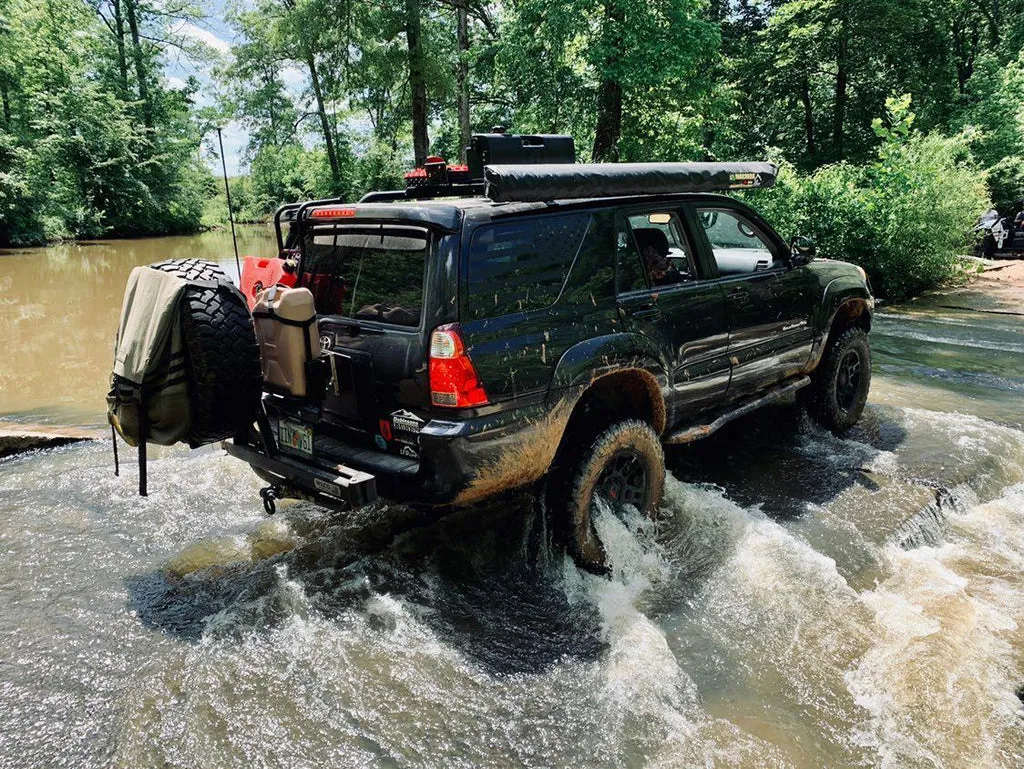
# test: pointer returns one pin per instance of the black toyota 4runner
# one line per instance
(500, 325)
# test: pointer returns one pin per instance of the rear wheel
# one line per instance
(623, 466)
(840, 384)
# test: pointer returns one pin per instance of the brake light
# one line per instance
(453, 380)
(332, 213)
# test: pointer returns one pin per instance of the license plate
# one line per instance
(295, 437)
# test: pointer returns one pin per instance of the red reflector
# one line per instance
(332, 213)
(453, 380)
(458, 168)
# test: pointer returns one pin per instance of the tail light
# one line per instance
(453, 380)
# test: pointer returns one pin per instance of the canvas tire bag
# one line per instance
(149, 398)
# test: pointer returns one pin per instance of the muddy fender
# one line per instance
(582, 363)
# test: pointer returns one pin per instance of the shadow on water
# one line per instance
(481, 579)
(485, 579)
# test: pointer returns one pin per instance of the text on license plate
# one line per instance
(295, 437)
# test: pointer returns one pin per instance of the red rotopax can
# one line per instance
(259, 273)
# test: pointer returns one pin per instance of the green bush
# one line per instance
(905, 217)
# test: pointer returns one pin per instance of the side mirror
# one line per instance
(802, 250)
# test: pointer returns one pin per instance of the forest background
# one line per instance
(896, 121)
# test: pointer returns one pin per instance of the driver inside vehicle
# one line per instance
(654, 249)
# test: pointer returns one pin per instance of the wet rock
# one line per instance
(16, 437)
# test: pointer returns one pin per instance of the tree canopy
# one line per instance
(341, 96)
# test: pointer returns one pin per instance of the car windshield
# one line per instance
(367, 272)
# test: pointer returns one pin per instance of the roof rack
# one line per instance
(436, 179)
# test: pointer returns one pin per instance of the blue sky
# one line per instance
(217, 36)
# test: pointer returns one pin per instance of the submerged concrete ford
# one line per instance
(525, 319)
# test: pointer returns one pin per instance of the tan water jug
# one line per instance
(285, 321)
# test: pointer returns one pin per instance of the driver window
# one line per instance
(664, 256)
(737, 246)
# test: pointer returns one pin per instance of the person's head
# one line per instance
(655, 261)
(653, 245)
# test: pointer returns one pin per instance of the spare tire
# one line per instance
(223, 360)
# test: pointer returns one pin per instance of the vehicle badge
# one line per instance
(326, 341)
(385, 429)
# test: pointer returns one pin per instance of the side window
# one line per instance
(736, 243)
(627, 262)
(593, 276)
(654, 252)
(521, 265)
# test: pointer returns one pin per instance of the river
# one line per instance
(805, 601)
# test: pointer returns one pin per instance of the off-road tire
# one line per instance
(834, 402)
(222, 361)
(580, 479)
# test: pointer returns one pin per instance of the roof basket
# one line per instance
(436, 178)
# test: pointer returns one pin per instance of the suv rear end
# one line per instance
(441, 327)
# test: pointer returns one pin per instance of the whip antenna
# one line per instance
(227, 193)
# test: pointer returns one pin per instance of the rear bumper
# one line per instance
(337, 486)
(459, 462)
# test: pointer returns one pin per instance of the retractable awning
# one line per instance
(539, 183)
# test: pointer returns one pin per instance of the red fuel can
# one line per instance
(259, 273)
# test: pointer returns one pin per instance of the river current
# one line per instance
(804, 601)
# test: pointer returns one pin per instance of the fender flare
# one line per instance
(585, 363)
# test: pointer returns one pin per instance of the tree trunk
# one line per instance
(6, 103)
(805, 98)
(417, 81)
(462, 76)
(839, 115)
(122, 59)
(325, 124)
(140, 66)
(608, 129)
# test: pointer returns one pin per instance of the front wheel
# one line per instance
(840, 384)
(625, 465)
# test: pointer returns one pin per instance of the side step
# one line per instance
(696, 432)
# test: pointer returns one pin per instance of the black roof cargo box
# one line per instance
(495, 148)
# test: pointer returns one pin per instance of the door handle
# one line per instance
(646, 311)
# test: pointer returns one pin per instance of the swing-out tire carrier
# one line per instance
(338, 486)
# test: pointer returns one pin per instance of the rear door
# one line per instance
(375, 313)
(769, 303)
(660, 296)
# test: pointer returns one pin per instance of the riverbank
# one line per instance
(998, 289)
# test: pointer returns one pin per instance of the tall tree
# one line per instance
(417, 81)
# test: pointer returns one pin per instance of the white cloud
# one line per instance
(200, 35)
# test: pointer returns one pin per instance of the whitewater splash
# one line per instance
(877, 624)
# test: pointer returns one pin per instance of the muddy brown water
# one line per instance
(804, 601)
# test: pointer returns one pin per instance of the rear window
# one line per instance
(521, 265)
(367, 272)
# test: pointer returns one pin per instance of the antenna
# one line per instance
(227, 192)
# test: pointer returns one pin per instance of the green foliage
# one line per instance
(81, 155)
(555, 57)
(904, 216)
